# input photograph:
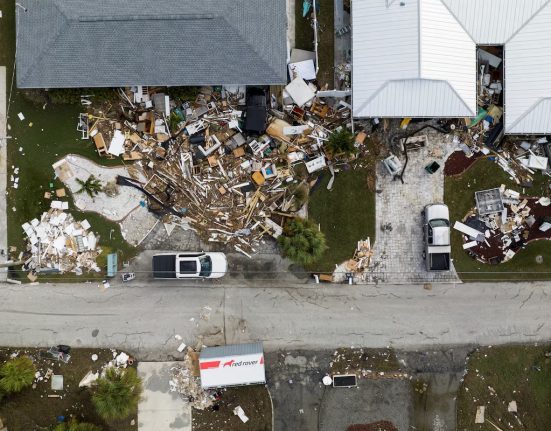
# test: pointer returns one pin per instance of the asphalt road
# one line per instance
(144, 318)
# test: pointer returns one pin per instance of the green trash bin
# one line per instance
(431, 168)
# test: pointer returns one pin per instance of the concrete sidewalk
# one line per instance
(160, 409)
(3, 175)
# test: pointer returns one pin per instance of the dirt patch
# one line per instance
(363, 361)
(375, 426)
(255, 402)
(32, 410)
(458, 163)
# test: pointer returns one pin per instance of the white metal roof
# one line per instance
(417, 52)
(528, 77)
(493, 22)
(419, 59)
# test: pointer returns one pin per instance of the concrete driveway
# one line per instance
(399, 249)
(160, 409)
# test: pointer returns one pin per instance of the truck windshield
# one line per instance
(439, 222)
(206, 266)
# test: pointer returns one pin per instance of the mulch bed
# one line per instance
(255, 402)
(494, 253)
(458, 163)
(375, 426)
(31, 409)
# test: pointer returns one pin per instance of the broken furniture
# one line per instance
(393, 165)
(489, 201)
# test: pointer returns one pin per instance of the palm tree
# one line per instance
(17, 374)
(91, 186)
(75, 426)
(341, 142)
(117, 393)
(302, 241)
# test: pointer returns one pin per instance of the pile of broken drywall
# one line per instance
(58, 243)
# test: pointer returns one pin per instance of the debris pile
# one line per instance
(225, 164)
(362, 257)
(58, 243)
(186, 381)
(502, 223)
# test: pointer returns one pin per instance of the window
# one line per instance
(206, 266)
(439, 222)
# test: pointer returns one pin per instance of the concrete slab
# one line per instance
(160, 409)
(371, 401)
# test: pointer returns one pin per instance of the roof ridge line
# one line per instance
(459, 21)
(526, 113)
(518, 30)
(382, 87)
(459, 97)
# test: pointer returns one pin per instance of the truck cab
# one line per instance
(189, 265)
(436, 234)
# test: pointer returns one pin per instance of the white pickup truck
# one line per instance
(436, 233)
(189, 265)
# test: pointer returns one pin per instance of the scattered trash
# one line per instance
(479, 417)
(327, 380)
(238, 411)
(88, 380)
(57, 382)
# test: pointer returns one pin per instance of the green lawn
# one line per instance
(52, 134)
(515, 373)
(459, 196)
(304, 38)
(346, 215)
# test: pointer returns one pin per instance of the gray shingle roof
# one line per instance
(110, 43)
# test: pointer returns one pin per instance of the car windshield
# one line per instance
(440, 222)
(206, 266)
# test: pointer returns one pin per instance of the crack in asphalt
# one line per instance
(527, 299)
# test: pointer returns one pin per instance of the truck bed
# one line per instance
(440, 262)
(164, 266)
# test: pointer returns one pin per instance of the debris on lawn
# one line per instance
(229, 171)
(502, 223)
(238, 411)
(58, 243)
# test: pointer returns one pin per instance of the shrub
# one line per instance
(58, 96)
(17, 374)
(302, 241)
(341, 142)
(117, 393)
(75, 426)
